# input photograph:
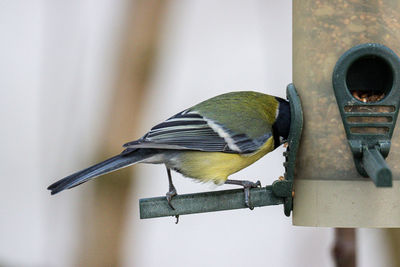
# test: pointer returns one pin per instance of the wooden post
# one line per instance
(104, 224)
(344, 250)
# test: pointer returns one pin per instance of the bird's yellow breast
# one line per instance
(217, 166)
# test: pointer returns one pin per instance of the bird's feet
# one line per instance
(170, 194)
(172, 190)
(247, 185)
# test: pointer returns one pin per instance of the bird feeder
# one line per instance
(347, 74)
(366, 81)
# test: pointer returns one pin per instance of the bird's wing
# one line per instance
(188, 130)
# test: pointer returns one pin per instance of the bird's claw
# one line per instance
(250, 184)
(170, 195)
(247, 198)
(247, 185)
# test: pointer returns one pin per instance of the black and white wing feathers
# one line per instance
(188, 130)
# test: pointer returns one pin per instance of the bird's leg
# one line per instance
(172, 191)
(247, 185)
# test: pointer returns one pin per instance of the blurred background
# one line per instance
(80, 78)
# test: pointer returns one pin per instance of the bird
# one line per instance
(207, 142)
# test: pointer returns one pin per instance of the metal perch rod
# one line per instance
(207, 202)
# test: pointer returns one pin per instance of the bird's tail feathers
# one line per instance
(117, 162)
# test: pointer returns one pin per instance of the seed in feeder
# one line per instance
(367, 97)
(355, 94)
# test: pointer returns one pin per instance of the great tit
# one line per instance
(208, 141)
